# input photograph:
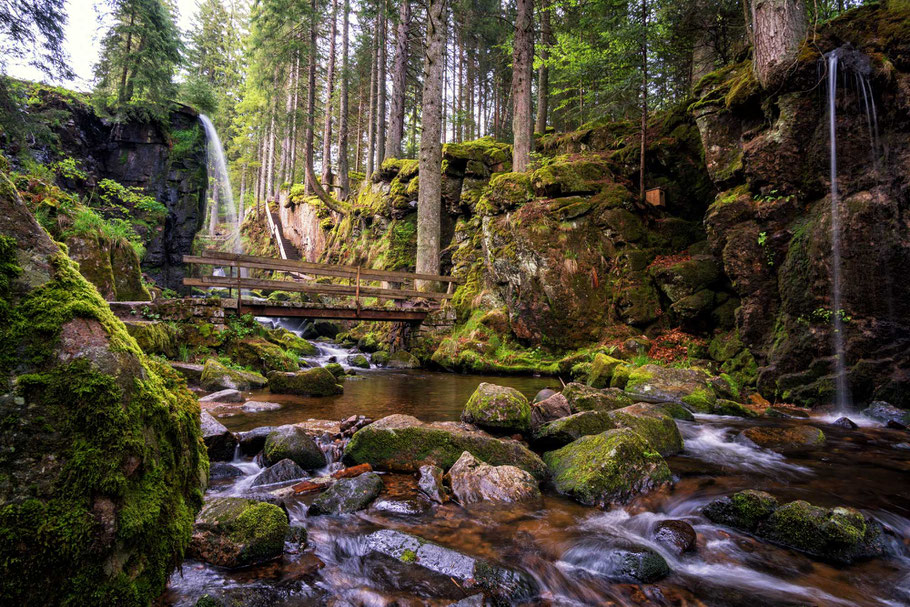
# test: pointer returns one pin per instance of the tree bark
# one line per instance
(343, 176)
(381, 92)
(371, 125)
(329, 90)
(644, 98)
(399, 72)
(543, 74)
(522, 61)
(429, 198)
(779, 27)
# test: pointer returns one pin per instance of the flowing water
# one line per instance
(223, 220)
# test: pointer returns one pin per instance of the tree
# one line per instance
(779, 27)
(522, 60)
(329, 91)
(344, 178)
(399, 73)
(33, 29)
(429, 197)
(543, 72)
(644, 97)
(381, 87)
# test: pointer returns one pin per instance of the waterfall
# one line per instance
(222, 214)
(845, 60)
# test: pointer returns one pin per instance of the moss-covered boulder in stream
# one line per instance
(784, 439)
(658, 384)
(560, 432)
(586, 398)
(261, 355)
(216, 376)
(602, 370)
(290, 342)
(743, 510)
(401, 443)
(236, 532)
(348, 495)
(653, 423)
(102, 459)
(402, 360)
(312, 382)
(606, 468)
(498, 408)
(293, 443)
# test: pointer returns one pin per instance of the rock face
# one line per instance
(403, 443)
(293, 443)
(474, 481)
(312, 382)
(219, 441)
(101, 451)
(284, 471)
(613, 466)
(216, 376)
(348, 495)
(235, 532)
(498, 408)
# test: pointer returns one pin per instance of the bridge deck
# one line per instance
(339, 312)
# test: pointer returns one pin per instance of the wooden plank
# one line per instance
(299, 287)
(333, 313)
(220, 258)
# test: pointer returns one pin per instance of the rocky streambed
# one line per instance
(607, 498)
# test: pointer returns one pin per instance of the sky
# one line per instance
(85, 26)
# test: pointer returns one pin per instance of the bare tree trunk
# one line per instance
(358, 152)
(329, 90)
(429, 197)
(779, 27)
(644, 97)
(294, 128)
(522, 60)
(381, 93)
(543, 73)
(270, 172)
(371, 130)
(343, 177)
(399, 72)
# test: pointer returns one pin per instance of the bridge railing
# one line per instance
(301, 275)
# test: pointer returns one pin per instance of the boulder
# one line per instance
(284, 471)
(290, 342)
(220, 471)
(783, 438)
(252, 441)
(335, 369)
(236, 532)
(657, 384)
(191, 372)
(262, 356)
(348, 495)
(602, 370)
(845, 422)
(219, 441)
(743, 510)
(216, 376)
(430, 484)
(543, 395)
(676, 536)
(723, 406)
(561, 432)
(884, 413)
(601, 469)
(474, 481)
(155, 337)
(553, 407)
(359, 360)
(402, 443)
(381, 358)
(458, 570)
(586, 398)
(325, 328)
(312, 382)
(291, 442)
(223, 396)
(402, 360)
(653, 423)
(258, 406)
(498, 408)
(628, 563)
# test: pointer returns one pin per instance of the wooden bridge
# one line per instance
(412, 305)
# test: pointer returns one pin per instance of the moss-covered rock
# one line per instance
(381, 358)
(602, 370)
(728, 407)
(312, 382)
(559, 433)
(235, 532)
(568, 176)
(653, 423)
(402, 360)
(743, 510)
(360, 361)
(335, 369)
(605, 468)
(783, 438)
(347, 495)
(216, 376)
(262, 356)
(586, 398)
(402, 443)
(290, 342)
(293, 443)
(155, 337)
(506, 192)
(658, 384)
(498, 408)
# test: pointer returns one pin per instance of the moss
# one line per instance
(408, 556)
(562, 431)
(498, 408)
(246, 531)
(602, 369)
(701, 400)
(743, 510)
(621, 374)
(312, 382)
(638, 377)
(216, 376)
(290, 342)
(653, 424)
(155, 337)
(360, 361)
(262, 356)
(381, 358)
(505, 192)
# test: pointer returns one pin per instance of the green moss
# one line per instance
(408, 556)
(743, 510)
(216, 376)
(262, 356)
(505, 192)
(312, 382)
(498, 408)
(729, 407)
(653, 424)
(155, 337)
(701, 400)
(602, 369)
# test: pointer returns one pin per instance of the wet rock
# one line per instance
(728, 407)
(430, 484)
(219, 441)
(284, 471)
(258, 406)
(291, 442)
(252, 441)
(192, 372)
(613, 466)
(262, 356)
(657, 384)
(543, 395)
(677, 536)
(220, 471)
(783, 439)
(348, 495)
(845, 422)
(325, 328)
(312, 382)
(335, 369)
(402, 360)
(553, 407)
(354, 423)
(653, 423)
(402, 507)
(223, 396)
(381, 358)
(631, 563)
(563, 431)
(884, 412)
(602, 370)
(498, 408)
(402, 443)
(893, 425)
(408, 551)
(677, 411)
(474, 481)
(297, 534)
(359, 360)
(743, 510)
(839, 535)
(586, 398)
(786, 413)
(216, 376)
(235, 532)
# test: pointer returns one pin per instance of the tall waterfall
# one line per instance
(223, 220)
(845, 62)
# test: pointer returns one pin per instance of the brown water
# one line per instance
(560, 543)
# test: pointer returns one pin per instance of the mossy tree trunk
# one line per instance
(779, 27)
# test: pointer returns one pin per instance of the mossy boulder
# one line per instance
(506, 192)
(102, 459)
(262, 356)
(743, 510)
(606, 468)
(401, 443)
(402, 360)
(348, 495)
(586, 398)
(360, 361)
(155, 337)
(380, 358)
(559, 433)
(723, 406)
(216, 376)
(291, 342)
(602, 370)
(293, 443)
(335, 369)
(498, 408)
(236, 532)
(657, 384)
(783, 438)
(688, 277)
(312, 382)
(653, 423)
(566, 177)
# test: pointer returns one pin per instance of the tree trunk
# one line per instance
(779, 27)
(644, 98)
(270, 171)
(343, 177)
(543, 74)
(329, 89)
(371, 130)
(522, 60)
(429, 198)
(121, 94)
(381, 92)
(294, 129)
(399, 72)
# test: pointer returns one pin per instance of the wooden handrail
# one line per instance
(299, 287)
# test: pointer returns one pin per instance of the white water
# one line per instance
(716, 445)
(222, 213)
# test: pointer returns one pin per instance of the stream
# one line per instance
(562, 544)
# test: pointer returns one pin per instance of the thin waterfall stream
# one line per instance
(222, 213)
